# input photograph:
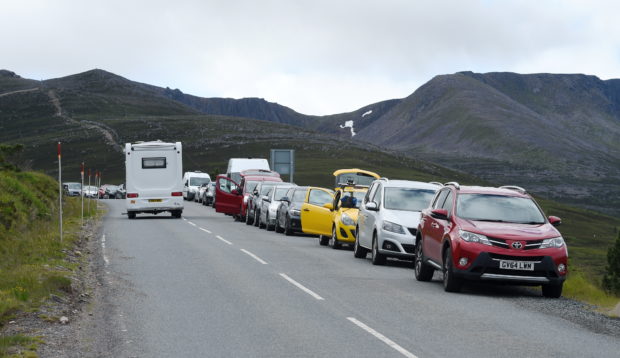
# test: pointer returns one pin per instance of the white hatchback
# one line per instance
(389, 217)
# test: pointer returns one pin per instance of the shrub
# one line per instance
(611, 280)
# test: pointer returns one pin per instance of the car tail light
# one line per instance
(132, 195)
(177, 193)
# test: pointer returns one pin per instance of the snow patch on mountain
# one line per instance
(366, 113)
(349, 124)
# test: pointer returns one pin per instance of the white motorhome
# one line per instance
(192, 182)
(237, 165)
(153, 177)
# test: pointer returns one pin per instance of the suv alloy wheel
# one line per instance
(450, 283)
(423, 271)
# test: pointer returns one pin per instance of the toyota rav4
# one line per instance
(490, 234)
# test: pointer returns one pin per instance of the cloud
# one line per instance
(318, 57)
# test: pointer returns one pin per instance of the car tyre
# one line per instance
(333, 241)
(450, 282)
(131, 215)
(277, 227)
(423, 271)
(249, 221)
(359, 251)
(177, 214)
(552, 290)
(267, 225)
(256, 218)
(323, 240)
(377, 257)
(288, 230)
(261, 225)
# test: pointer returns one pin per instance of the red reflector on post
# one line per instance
(177, 193)
(132, 195)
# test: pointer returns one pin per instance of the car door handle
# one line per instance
(435, 226)
(306, 209)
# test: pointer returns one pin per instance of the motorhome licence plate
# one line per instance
(516, 265)
(154, 200)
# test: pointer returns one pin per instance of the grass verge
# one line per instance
(33, 261)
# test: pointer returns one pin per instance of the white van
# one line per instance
(153, 177)
(192, 182)
(237, 165)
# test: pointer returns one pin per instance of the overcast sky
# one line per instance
(315, 56)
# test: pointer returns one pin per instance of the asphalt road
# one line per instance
(205, 286)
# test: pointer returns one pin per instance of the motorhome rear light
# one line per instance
(177, 193)
(132, 195)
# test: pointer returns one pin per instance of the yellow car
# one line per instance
(316, 212)
(354, 176)
(345, 210)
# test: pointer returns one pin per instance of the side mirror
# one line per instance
(441, 214)
(285, 199)
(372, 206)
(555, 221)
(265, 198)
(329, 206)
(255, 192)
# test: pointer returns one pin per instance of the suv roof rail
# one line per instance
(435, 182)
(515, 188)
(384, 178)
(454, 184)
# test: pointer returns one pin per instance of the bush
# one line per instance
(611, 280)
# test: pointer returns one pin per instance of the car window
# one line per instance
(265, 189)
(370, 192)
(250, 186)
(499, 208)
(299, 196)
(440, 198)
(280, 193)
(352, 199)
(319, 197)
(378, 195)
(408, 199)
(447, 204)
(198, 181)
(226, 185)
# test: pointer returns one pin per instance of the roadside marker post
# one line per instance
(89, 199)
(60, 190)
(82, 190)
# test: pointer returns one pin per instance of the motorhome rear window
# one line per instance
(154, 163)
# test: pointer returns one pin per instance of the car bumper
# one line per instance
(397, 245)
(149, 205)
(486, 267)
(345, 233)
(296, 223)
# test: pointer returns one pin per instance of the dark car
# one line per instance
(288, 216)
(109, 191)
(490, 234)
(255, 199)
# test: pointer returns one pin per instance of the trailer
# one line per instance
(153, 175)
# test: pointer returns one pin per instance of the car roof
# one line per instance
(262, 178)
(491, 191)
(410, 184)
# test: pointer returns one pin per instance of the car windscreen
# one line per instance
(198, 181)
(74, 186)
(407, 199)
(499, 208)
(250, 186)
(265, 189)
(358, 195)
(280, 193)
(299, 196)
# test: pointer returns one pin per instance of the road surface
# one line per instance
(205, 286)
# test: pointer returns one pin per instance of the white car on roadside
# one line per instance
(388, 218)
(192, 182)
(270, 204)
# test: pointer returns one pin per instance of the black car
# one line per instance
(288, 217)
(254, 201)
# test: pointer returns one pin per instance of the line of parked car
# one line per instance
(106, 191)
(473, 233)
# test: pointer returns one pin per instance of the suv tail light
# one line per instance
(177, 193)
(132, 195)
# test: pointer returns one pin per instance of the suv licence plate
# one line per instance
(516, 265)
(154, 200)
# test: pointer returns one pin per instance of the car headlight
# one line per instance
(346, 220)
(473, 237)
(295, 212)
(393, 227)
(245, 199)
(555, 242)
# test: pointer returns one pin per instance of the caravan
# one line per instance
(153, 175)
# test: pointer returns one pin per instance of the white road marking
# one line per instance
(223, 239)
(302, 287)
(254, 257)
(184, 218)
(205, 230)
(105, 258)
(382, 338)
(191, 223)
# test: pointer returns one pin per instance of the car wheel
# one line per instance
(423, 271)
(323, 240)
(450, 282)
(333, 241)
(261, 225)
(358, 251)
(268, 226)
(131, 215)
(249, 221)
(278, 228)
(552, 290)
(177, 214)
(288, 231)
(256, 218)
(377, 257)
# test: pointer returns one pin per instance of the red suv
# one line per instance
(232, 197)
(490, 234)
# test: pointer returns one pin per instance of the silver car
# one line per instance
(270, 203)
(389, 217)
